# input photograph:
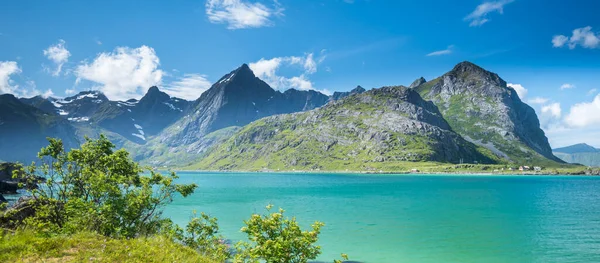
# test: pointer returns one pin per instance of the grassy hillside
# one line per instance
(86, 247)
(390, 129)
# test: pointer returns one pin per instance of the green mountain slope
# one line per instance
(383, 128)
(480, 106)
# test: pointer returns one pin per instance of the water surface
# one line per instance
(394, 219)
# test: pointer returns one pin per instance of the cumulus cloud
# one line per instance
(446, 51)
(124, 73)
(584, 114)
(188, 87)
(538, 100)
(584, 37)
(267, 70)
(70, 91)
(7, 69)
(521, 91)
(59, 55)
(553, 109)
(559, 40)
(567, 86)
(239, 14)
(479, 16)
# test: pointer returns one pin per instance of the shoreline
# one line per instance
(467, 173)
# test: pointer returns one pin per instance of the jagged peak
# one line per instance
(243, 71)
(358, 89)
(469, 70)
(417, 82)
(154, 93)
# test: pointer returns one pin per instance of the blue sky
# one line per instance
(123, 47)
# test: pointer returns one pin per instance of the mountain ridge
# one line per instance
(474, 107)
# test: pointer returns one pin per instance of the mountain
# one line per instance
(417, 82)
(339, 95)
(480, 107)
(467, 115)
(235, 100)
(24, 128)
(92, 113)
(380, 128)
(579, 153)
(157, 110)
(577, 148)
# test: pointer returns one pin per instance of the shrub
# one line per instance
(97, 189)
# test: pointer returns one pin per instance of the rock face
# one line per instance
(157, 110)
(339, 95)
(479, 106)
(379, 128)
(417, 82)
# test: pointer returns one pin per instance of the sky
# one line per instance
(548, 50)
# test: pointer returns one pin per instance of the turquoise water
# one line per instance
(393, 219)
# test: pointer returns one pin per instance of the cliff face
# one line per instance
(484, 110)
(381, 127)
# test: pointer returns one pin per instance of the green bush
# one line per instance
(97, 189)
(276, 239)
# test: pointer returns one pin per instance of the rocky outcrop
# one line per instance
(23, 208)
(480, 106)
(340, 95)
(417, 82)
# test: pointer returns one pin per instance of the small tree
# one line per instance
(202, 234)
(98, 189)
(276, 239)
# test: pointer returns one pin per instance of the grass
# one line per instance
(25, 246)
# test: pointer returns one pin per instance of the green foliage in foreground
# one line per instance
(274, 238)
(26, 246)
(93, 203)
(97, 189)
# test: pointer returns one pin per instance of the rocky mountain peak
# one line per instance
(358, 89)
(468, 72)
(154, 94)
(417, 82)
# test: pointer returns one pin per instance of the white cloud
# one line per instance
(538, 100)
(478, 16)
(521, 91)
(70, 91)
(567, 86)
(239, 14)
(188, 87)
(559, 40)
(124, 73)
(584, 114)
(267, 70)
(8, 68)
(592, 92)
(446, 51)
(553, 109)
(59, 55)
(581, 37)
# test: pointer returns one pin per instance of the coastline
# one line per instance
(465, 173)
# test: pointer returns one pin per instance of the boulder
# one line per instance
(9, 187)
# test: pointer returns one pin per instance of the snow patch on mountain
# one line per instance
(79, 119)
